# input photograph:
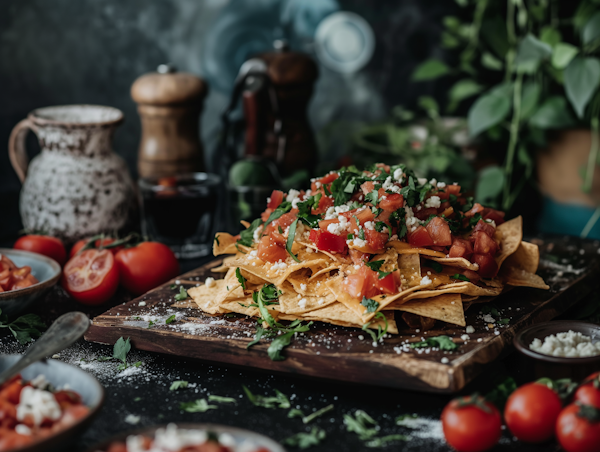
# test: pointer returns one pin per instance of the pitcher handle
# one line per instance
(16, 147)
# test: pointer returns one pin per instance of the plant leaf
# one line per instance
(591, 30)
(490, 183)
(530, 97)
(429, 70)
(487, 111)
(550, 35)
(491, 62)
(290, 240)
(121, 348)
(197, 406)
(179, 384)
(552, 114)
(563, 54)
(531, 52)
(278, 344)
(582, 77)
(461, 90)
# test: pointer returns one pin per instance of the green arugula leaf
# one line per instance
(247, 235)
(137, 364)
(278, 344)
(311, 417)
(503, 321)
(263, 296)
(280, 400)
(219, 399)
(121, 348)
(280, 229)
(197, 406)
(294, 412)
(460, 277)
(170, 319)
(401, 420)
(182, 295)
(290, 240)
(371, 305)
(259, 332)
(179, 384)
(362, 424)
(240, 278)
(442, 342)
(305, 440)
(384, 441)
(436, 266)
(282, 209)
(490, 309)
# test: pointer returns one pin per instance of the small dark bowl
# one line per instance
(537, 365)
(60, 374)
(239, 435)
(46, 270)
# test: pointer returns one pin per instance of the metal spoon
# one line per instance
(63, 332)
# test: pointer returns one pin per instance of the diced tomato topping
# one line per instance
(324, 181)
(276, 199)
(355, 285)
(452, 190)
(367, 187)
(487, 265)
(324, 203)
(66, 398)
(366, 283)
(272, 248)
(376, 240)
(324, 223)
(363, 216)
(383, 167)
(424, 214)
(420, 237)
(439, 231)
(485, 227)
(473, 276)
(477, 208)
(484, 244)
(492, 214)
(387, 284)
(392, 202)
(358, 257)
(11, 390)
(282, 222)
(327, 241)
(461, 248)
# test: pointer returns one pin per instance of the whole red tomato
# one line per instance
(578, 428)
(43, 244)
(145, 266)
(100, 242)
(531, 411)
(471, 424)
(589, 392)
(91, 277)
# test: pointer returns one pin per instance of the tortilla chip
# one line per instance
(224, 243)
(410, 269)
(522, 278)
(293, 302)
(447, 308)
(459, 262)
(273, 273)
(405, 248)
(205, 297)
(510, 234)
(527, 257)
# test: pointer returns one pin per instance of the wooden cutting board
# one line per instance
(568, 265)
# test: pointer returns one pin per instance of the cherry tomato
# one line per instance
(43, 244)
(145, 266)
(589, 392)
(531, 412)
(471, 424)
(576, 429)
(100, 242)
(91, 277)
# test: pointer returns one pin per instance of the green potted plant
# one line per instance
(531, 72)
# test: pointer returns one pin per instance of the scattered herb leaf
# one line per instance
(182, 295)
(219, 399)
(304, 440)
(179, 384)
(197, 406)
(370, 304)
(442, 342)
(240, 278)
(170, 319)
(460, 277)
(280, 400)
(311, 417)
(290, 240)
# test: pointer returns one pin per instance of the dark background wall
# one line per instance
(89, 51)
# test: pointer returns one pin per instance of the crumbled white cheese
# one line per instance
(40, 382)
(422, 180)
(425, 280)
(256, 235)
(302, 303)
(465, 337)
(302, 286)
(38, 404)
(142, 303)
(492, 222)
(469, 329)
(279, 266)
(132, 419)
(398, 173)
(441, 185)
(433, 201)
(335, 228)
(445, 360)
(253, 254)
(22, 429)
(358, 242)
(433, 182)
(209, 282)
(569, 344)
(369, 225)
(489, 319)
(169, 439)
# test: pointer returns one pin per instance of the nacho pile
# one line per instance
(359, 246)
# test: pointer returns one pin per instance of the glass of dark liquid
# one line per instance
(180, 212)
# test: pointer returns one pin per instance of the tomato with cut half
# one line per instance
(327, 241)
(271, 248)
(461, 248)
(391, 202)
(275, 199)
(439, 231)
(357, 217)
(487, 265)
(376, 240)
(146, 266)
(485, 227)
(51, 247)
(420, 237)
(91, 277)
(100, 243)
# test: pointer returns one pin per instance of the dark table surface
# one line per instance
(144, 391)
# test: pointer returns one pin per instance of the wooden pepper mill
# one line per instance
(169, 104)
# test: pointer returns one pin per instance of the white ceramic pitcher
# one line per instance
(77, 186)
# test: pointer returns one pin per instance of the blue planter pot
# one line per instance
(569, 219)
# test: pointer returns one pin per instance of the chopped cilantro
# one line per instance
(104, 358)
(372, 197)
(380, 226)
(197, 406)
(441, 342)
(280, 400)
(219, 399)
(474, 220)
(150, 323)
(240, 278)
(460, 277)
(436, 266)
(290, 240)
(179, 384)
(371, 305)
(182, 295)
(362, 424)
(304, 440)
(170, 319)
(490, 309)
(350, 236)
(374, 265)
(279, 229)
(380, 332)
(137, 364)
(502, 390)
(247, 235)
(398, 220)
(503, 321)
(173, 287)
(361, 234)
